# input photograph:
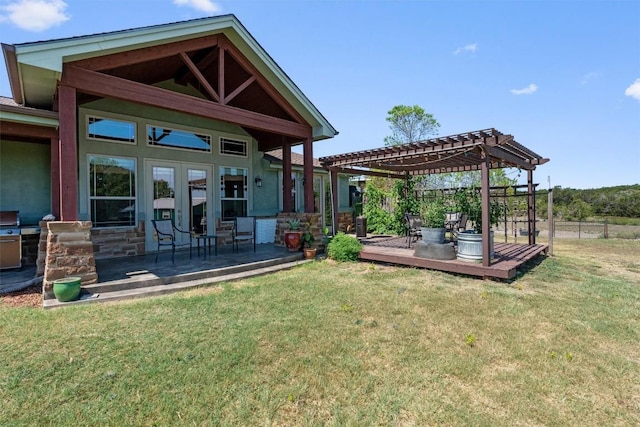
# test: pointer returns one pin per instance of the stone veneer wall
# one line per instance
(118, 242)
(42, 249)
(312, 219)
(345, 222)
(69, 252)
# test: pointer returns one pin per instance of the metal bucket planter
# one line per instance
(470, 246)
(432, 235)
(67, 289)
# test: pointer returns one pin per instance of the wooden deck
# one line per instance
(507, 259)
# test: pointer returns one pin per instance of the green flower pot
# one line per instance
(67, 289)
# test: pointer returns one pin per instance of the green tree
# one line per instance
(410, 124)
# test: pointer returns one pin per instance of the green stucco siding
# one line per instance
(25, 183)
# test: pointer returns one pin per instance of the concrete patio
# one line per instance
(140, 276)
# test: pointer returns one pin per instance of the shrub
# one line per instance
(344, 248)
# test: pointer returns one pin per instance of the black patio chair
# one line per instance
(413, 224)
(166, 235)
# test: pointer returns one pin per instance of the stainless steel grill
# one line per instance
(10, 240)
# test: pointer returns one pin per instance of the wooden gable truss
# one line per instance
(229, 88)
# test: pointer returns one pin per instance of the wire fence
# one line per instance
(517, 229)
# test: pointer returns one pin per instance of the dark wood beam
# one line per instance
(221, 87)
(68, 162)
(239, 89)
(55, 177)
(263, 82)
(94, 83)
(500, 154)
(350, 171)
(196, 72)
(27, 130)
(287, 200)
(136, 56)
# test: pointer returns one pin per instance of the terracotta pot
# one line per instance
(310, 253)
(293, 240)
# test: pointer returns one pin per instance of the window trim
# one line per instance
(90, 198)
(90, 116)
(170, 147)
(233, 139)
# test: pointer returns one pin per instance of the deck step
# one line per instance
(140, 287)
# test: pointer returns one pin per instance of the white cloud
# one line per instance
(588, 77)
(201, 5)
(634, 90)
(35, 15)
(525, 91)
(471, 48)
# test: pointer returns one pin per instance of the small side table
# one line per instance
(206, 241)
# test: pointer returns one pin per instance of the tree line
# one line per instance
(575, 204)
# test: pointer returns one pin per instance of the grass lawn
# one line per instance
(343, 344)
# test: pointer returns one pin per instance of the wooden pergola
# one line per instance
(470, 151)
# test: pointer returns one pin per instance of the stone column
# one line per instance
(69, 253)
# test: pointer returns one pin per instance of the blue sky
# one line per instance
(562, 76)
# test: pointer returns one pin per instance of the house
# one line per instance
(191, 120)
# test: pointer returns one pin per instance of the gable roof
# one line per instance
(35, 68)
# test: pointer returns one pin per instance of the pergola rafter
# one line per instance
(465, 152)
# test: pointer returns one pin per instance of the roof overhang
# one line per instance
(456, 153)
(27, 116)
(35, 68)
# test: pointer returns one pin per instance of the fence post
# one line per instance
(579, 228)
(551, 231)
(606, 228)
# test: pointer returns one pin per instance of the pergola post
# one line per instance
(68, 164)
(287, 205)
(333, 176)
(307, 146)
(531, 206)
(486, 203)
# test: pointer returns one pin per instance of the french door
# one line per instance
(181, 192)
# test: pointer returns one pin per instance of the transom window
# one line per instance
(174, 138)
(233, 192)
(112, 192)
(111, 130)
(233, 147)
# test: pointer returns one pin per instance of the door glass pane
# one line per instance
(164, 192)
(198, 200)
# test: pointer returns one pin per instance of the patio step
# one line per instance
(145, 285)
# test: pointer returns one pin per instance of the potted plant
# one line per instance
(433, 213)
(292, 237)
(307, 244)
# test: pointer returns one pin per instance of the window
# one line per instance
(111, 130)
(233, 147)
(233, 192)
(112, 193)
(165, 137)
